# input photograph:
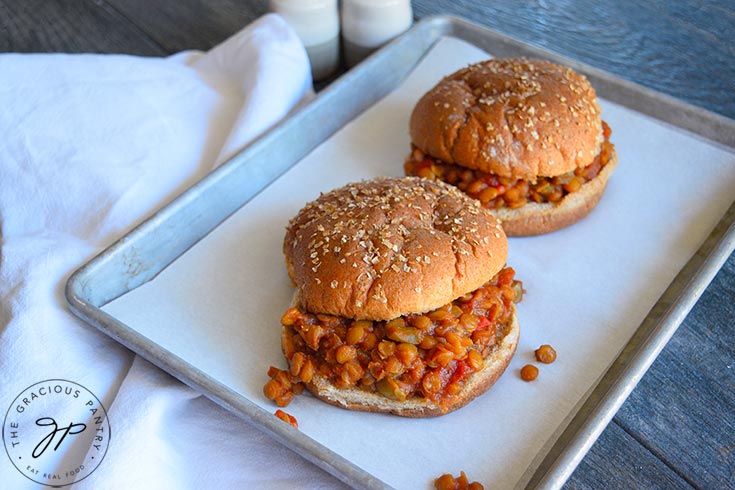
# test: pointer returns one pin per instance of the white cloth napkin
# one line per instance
(91, 144)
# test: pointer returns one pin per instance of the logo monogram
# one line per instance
(50, 452)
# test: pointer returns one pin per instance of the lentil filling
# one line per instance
(429, 355)
(496, 192)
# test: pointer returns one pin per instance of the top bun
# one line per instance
(379, 249)
(514, 117)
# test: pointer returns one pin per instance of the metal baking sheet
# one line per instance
(139, 256)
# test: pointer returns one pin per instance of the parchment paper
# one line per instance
(588, 288)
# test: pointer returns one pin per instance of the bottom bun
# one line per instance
(477, 384)
(539, 218)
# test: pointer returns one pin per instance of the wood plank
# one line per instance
(682, 410)
(72, 26)
(190, 24)
(635, 467)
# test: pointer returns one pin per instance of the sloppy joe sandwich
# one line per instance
(522, 136)
(403, 304)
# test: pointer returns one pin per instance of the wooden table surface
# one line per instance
(677, 429)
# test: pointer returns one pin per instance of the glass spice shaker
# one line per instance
(368, 24)
(317, 24)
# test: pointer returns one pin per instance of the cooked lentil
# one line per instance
(429, 355)
(287, 417)
(448, 482)
(545, 354)
(496, 192)
(529, 372)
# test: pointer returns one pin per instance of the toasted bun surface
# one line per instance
(379, 249)
(512, 117)
(538, 218)
(479, 382)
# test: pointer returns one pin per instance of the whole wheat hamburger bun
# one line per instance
(394, 276)
(528, 131)
(375, 250)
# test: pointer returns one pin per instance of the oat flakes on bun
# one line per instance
(523, 136)
(404, 303)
